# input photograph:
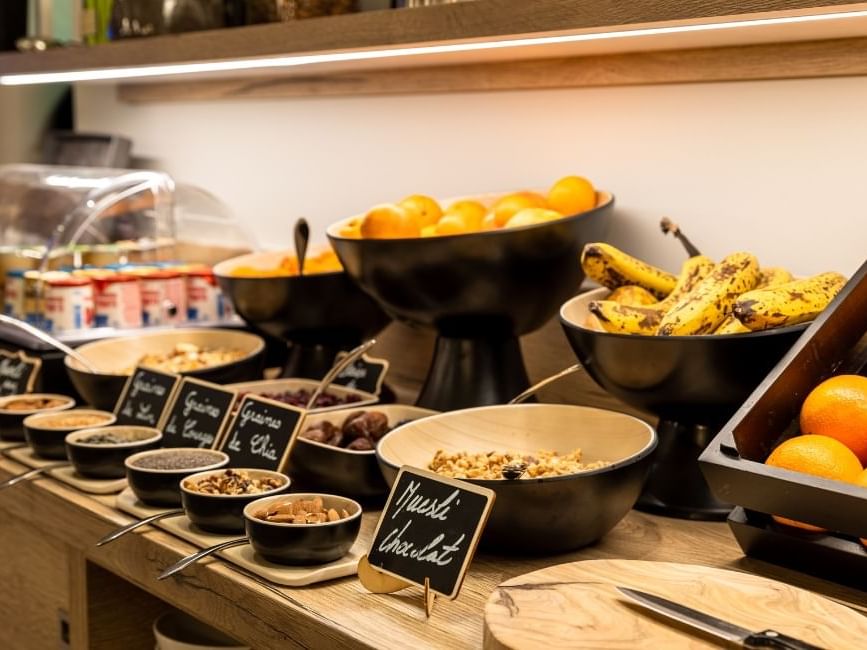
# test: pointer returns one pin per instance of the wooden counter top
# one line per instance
(334, 614)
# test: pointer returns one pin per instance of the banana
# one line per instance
(788, 304)
(771, 276)
(625, 319)
(632, 294)
(732, 325)
(693, 271)
(613, 268)
(702, 310)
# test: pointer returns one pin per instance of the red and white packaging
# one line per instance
(67, 304)
(117, 301)
(163, 297)
(204, 298)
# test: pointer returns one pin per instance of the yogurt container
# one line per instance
(67, 304)
(117, 301)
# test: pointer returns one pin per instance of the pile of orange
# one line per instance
(421, 216)
(322, 262)
(833, 440)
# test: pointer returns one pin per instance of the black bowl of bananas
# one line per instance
(688, 348)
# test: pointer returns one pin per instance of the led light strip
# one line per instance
(292, 61)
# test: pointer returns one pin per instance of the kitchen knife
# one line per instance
(714, 626)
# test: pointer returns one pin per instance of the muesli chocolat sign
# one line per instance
(262, 433)
(18, 373)
(197, 414)
(430, 528)
(145, 396)
(365, 373)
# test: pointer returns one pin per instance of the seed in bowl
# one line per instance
(359, 431)
(300, 511)
(498, 465)
(33, 403)
(72, 420)
(176, 460)
(233, 482)
(114, 438)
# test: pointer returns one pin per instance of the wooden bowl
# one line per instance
(347, 472)
(303, 544)
(538, 515)
(12, 420)
(114, 357)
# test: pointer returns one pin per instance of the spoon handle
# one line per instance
(47, 338)
(18, 478)
(351, 356)
(123, 530)
(182, 564)
(532, 390)
(302, 237)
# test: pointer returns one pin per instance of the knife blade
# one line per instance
(715, 626)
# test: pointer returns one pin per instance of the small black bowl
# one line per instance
(162, 487)
(303, 544)
(12, 420)
(224, 513)
(106, 461)
(46, 432)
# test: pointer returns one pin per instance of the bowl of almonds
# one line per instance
(302, 528)
(214, 500)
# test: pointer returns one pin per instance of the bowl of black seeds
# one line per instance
(155, 476)
(100, 452)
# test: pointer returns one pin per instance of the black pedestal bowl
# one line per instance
(317, 314)
(693, 383)
(480, 291)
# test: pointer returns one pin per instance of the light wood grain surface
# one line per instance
(578, 605)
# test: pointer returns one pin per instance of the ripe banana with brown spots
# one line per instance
(693, 271)
(771, 276)
(632, 294)
(613, 268)
(702, 310)
(791, 303)
(732, 325)
(626, 319)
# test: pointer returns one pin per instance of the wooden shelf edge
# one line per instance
(798, 60)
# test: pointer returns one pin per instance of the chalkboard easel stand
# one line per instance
(378, 582)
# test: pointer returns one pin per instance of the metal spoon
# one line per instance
(47, 338)
(532, 390)
(180, 565)
(18, 478)
(302, 238)
(351, 356)
(123, 530)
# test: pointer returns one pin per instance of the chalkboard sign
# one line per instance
(145, 396)
(430, 528)
(18, 373)
(365, 373)
(261, 433)
(197, 414)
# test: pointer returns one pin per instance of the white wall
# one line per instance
(773, 167)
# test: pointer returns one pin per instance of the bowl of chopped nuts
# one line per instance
(303, 528)
(564, 475)
(214, 500)
(335, 451)
(100, 452)
(155, 476)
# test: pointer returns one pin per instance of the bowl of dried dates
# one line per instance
(297, 392)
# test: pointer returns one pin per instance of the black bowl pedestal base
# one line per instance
(313, 360)
(675, 486)
(467, 372)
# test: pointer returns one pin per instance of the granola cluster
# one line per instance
(491, 465)
(233, 482)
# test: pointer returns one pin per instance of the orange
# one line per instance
(506, 207)
(818, 456)
(470, 212)
(571, 195)
(531, 217)
(489, 222)
(451, 225)
(352, 229)
(838, 408)
(425, 209)
(429, 231)
(324, 262)
(389, 221)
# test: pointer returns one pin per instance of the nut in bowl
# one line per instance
(15, 408)
(100, 453)
(588, 476)
(155, 476)
(46, 432)
(334, 452)
(214, 500)
(316, 542)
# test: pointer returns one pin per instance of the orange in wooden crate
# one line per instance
(838, 408)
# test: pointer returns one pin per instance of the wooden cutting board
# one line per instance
(576, 605)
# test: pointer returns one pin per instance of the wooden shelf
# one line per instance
(632, 45)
